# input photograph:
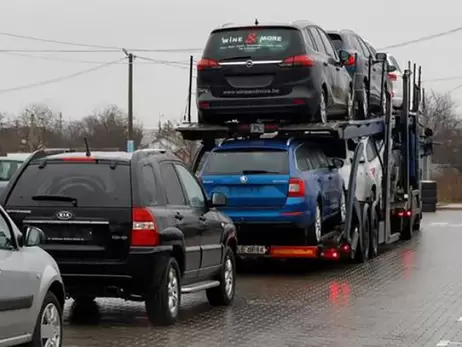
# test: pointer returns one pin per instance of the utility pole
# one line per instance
(191, 62)
(130, 141)
(32, 133)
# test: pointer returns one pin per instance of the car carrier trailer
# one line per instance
(368, 224)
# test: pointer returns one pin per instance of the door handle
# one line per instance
(330, 177)
(178, 216)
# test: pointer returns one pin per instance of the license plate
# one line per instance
(252, 249)
(69, 236)
(257, 128)
(244, 190)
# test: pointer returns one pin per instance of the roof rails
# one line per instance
(225, 25)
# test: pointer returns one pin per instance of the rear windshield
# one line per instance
(92, 185)
(392, 61)
(336, 41)
(250, 43)
(247, 161)
(8, 169)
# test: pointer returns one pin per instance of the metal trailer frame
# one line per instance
(373, 217)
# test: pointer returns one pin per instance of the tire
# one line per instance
(315, 231)
(50, 307)
(407, 232)
(341, 216)
(374, 233)
(361, 105)
(163, 300)
(416, 226)
(350, 101)
(362, 252)
(223, 295)
(321, 113)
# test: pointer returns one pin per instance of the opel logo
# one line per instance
(249, 63)
(64, 215)
(244, 179)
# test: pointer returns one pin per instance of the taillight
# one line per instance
(296, 188)
(297, 61)
(350, 61)
(392, 77)
(206, 63)
(144, 229)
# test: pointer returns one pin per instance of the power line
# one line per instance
(99, 47)
(421, 39)
(442, 79)
(166, 62)
(62, 78)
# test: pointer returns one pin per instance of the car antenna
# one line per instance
(256, 21)
(87, 147)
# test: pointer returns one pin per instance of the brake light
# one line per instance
(392, 77)
(80, 159)
(206, 63)
(351, 60)
(296, 188)
(144, 229)
(297, 61)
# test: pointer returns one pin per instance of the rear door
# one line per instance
(249, 61)
(250, 177)
(83, 207)
(321, 173)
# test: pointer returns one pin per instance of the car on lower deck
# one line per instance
(280, 192)
(278, 72)
(136, 226)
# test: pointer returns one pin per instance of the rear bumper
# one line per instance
(92, 276)
(302, 100)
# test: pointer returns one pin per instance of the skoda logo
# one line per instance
(244, 179)
(64, 215)
(249, 63)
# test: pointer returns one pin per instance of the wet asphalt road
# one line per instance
(411, 295)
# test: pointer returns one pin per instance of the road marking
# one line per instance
(460, 319)
(444, 224)
(439, 223)
(444, 343)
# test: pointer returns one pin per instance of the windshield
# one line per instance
(250, 43)
(247, 161)
(8, 169)
(392, 61)
(90, 185)
(337, 41)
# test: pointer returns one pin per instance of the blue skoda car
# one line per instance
(280, 192)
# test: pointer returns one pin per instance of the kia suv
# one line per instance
(280, 193)
(132, 225)
(287, 72)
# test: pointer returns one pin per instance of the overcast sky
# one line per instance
(156, 24)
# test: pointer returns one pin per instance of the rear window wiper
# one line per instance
(55, 198)
(237, 58)
(256, 172)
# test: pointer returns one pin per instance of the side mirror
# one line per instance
(34, 237)
(428, 132)
(381, 56)
(391, 68)
(344, 56)
(218, 200)
(336, 163)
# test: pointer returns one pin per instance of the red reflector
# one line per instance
(144, 229)
(298, 102)
(400, 213)
(350, 61)
(296, 188)
(80, 159)
(331, 253)
(408, 213)
(392, 76)
(205, 63)
(204, 104)
(346, 248)
(297, 61)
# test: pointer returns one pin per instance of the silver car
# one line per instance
(31, 289)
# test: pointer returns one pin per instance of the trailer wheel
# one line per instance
(315, 231)
(362, 251)
(374, 227)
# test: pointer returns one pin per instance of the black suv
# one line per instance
(357, 64)
(131, 225)
(271, 72)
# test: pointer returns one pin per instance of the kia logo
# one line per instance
(244, 179)
(249, 63)
(64, 215)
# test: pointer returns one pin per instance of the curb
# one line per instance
(448, 208)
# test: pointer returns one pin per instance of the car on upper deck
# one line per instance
(272, 72)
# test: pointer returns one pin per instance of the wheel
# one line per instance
(223, 295)
(362, 251)
(374, 232)
(321, 114)
(350, 101)
(164, 298)
(341, 216)
(315, 231)
(362, 105)
(416, 225)
(49, 327)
